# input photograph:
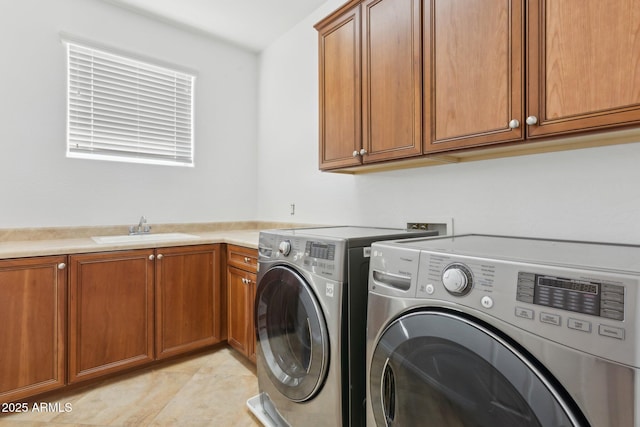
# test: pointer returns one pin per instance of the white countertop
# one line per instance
(28, 248)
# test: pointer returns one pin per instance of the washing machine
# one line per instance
(310, 313)
(488, 331)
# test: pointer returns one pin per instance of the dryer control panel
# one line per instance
(586, 310)
(584, 296)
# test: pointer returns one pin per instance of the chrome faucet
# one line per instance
(142, 227)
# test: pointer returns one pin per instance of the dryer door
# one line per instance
(454, 371)
(291, 333)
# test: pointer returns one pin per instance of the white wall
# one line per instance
(583, 194)
(587, 194)
(40, 187)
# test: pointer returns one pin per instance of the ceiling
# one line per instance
(253, 24)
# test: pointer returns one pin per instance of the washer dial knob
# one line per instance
(285, 247)
(457, 279)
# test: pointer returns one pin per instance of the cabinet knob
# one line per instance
(247, 259)
(532, 120)
(151, 257)
(363, 152)
(514, 124)
(355, 153)
(62, 266)
(160, 256)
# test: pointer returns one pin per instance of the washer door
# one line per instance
(291, 333)
(454, 371)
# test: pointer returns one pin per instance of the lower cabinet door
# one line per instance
(241, 333)
(33, 318)
(188, 299)
(252, 322)
(110, 312)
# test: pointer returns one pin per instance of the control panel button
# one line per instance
(285, 247)
(579, 325)
(612, 305)
(612, 314)
(613, 288)
(525, 287)
(611, 331)
(524, 296)
(552, 319)
(613, 296)
(429, 289)
(487, 302)
(457, 279)
(525, 313)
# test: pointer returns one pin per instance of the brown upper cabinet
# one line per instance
(493, 72)
(582, 69)
(474, 73)
(583, 65)
(370, 83)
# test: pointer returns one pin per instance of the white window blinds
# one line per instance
(126, 110)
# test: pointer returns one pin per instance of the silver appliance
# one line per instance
(310, 316)
(483, 331)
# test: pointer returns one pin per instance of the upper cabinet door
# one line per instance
(392, 79)
(473, 73)
(340, 91)
(584, 65)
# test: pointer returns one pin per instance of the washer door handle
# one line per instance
(388, 393)
(310, 346)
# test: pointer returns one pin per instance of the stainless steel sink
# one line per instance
(139, 238)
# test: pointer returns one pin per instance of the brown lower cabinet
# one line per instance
(131, 307)
(121, 310)
(188, 299)
(111, 312)
(33, 319)
(241, 284)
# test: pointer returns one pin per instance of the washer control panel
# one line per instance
(581, 296)
(324, 257)
(320, 250)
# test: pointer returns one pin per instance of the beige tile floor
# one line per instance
(207, 389)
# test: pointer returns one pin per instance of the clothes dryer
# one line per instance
(310, 316)
(491, 331)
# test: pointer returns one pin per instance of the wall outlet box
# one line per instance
(444, 226)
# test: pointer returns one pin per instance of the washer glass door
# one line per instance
(291, 333)
(448, 370)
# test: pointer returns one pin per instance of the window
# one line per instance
(127, 110)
